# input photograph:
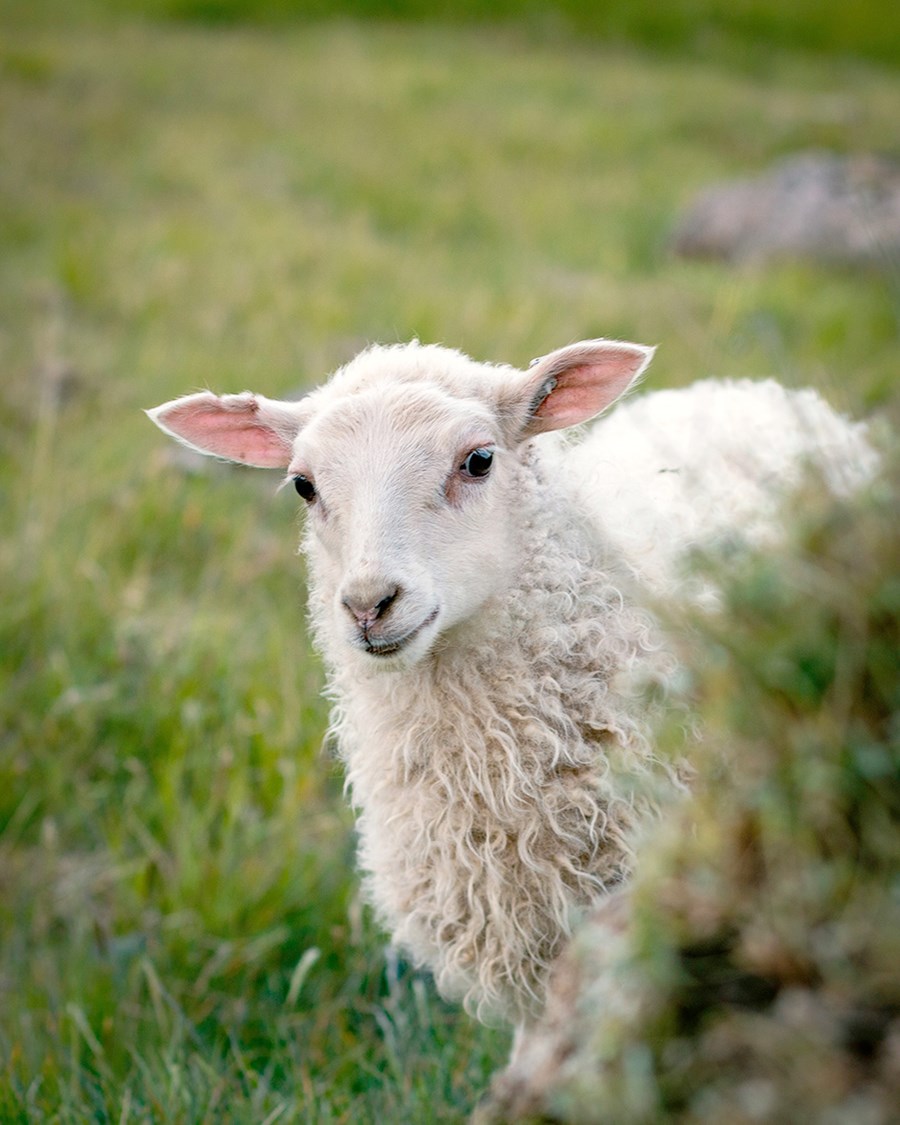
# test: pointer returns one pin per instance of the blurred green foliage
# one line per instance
(867, 29)
(758, 975)
(762, 967)
(237, 206)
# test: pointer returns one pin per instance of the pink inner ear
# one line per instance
(576, 397)
(233, 426)
(584, 379)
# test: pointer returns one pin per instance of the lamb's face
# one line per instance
(407, 461)
(410, 515)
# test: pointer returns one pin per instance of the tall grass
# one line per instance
(180, 933)
(868, 29)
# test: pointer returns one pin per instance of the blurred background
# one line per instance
(239, 194)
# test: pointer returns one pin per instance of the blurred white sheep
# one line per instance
(472, 590)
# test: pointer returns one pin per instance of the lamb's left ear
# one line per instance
(247, 428)
(575, 383)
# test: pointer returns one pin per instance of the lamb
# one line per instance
(471, 576)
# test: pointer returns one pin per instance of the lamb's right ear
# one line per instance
(246, 427)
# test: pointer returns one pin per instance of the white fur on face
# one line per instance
(396, 516)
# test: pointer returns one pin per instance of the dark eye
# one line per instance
(478, 463)
(305, 488)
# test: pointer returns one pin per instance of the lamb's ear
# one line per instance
(575, 383)
(246, 427)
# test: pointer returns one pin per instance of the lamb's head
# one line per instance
(407, 460)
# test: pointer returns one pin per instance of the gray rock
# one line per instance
(815, 206)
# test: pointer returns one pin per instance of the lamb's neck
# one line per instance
(475, 652)
(521, 687)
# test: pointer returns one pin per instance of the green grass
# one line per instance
(183, 206)
(869, 29)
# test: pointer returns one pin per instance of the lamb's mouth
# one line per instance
(390, 647)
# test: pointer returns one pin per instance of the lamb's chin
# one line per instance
(399, 655)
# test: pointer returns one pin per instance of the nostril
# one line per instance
(386, 602)
(367, 609)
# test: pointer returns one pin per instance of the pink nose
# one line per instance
(366, 608)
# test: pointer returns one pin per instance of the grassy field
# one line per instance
(244, 206)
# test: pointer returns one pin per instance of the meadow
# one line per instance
(244, 205)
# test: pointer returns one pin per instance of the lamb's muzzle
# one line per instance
(366, 607)
(380, 643)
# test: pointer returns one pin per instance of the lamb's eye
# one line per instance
(305, 488)
(478, 463)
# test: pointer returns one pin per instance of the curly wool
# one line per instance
(709, 464)
(496, 780)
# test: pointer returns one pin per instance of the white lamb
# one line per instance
(470, 599)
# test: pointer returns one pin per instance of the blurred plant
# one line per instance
(759, 976)
(821, 25)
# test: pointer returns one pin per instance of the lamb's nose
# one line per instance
(367, 608)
